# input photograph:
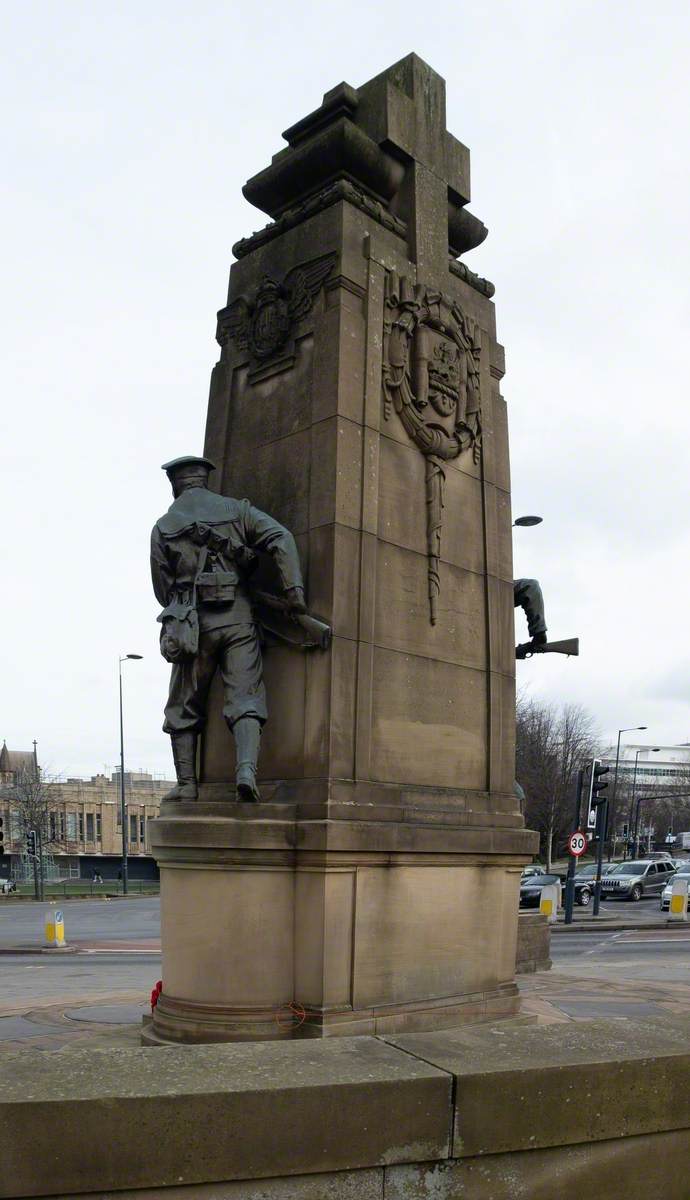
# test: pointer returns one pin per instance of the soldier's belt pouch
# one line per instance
(179, 633)
(216, 587)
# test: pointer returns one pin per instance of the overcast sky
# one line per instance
(128, 131)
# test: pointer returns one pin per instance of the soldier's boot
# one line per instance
(184, 757)
(247, 734)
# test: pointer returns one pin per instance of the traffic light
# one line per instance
(586, 805)
(31, 843)
(599, 802)
(592, 785)
(598, 784)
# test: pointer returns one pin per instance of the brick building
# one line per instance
(84, 830)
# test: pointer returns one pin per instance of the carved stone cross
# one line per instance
(404, 110)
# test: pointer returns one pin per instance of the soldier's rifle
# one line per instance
(317, 634)
(569, 646)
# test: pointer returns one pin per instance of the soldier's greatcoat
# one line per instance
(228, 533)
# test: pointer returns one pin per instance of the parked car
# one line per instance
(7, 886)
(535, 869)
(584, 882)
(665, 902)
(590, 870)
(633, 880)
(530, 889)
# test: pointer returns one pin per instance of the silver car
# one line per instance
(633, 880)
(666, 894)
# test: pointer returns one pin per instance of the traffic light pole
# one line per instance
(570, 878)
(602, 822)
(39, 850)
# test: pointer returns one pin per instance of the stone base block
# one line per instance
(490, 1113)
(533, 944)
(277, 927)
(179, 1021)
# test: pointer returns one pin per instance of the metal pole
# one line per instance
(615, 788)
(570, 878)
(632, 800)
(39, 847)
(123, 805)
(603, 821)
(637, 824)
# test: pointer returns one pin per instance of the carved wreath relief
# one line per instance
(263, 323)
(431, 356)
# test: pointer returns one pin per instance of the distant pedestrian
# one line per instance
(97, 877)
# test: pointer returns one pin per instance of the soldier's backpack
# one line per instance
(180, 624)
(179, 633)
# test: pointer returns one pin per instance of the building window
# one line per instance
(98, 827)
(132, 827)
(142, 829)
(71, 827)
(62, 826)
(52, 826)
(15, 826)
(81, 826)
(89, 827)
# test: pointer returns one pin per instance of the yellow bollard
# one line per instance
(678, 908)
(54, 927)
(49, 927)
(549, 901)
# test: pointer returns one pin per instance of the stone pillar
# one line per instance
(357, 399)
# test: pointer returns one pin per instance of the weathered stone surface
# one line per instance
(533, 944)
(336, 1185)
(526, 1088)
(627, 1168)
(149, 1118)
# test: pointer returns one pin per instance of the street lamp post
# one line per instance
(652, 750)
(123, 805)
(614, 813)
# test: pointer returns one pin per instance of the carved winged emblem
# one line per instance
(431, 358)
(263, 324)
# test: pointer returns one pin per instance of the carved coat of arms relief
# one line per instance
(431, 357)
(263, 323)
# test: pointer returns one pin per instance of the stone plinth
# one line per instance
(289, 923)
(357, 399)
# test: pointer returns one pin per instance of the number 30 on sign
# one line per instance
(577, 844)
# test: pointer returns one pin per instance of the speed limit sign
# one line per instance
(577, 844)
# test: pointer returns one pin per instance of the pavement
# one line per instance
(628, 963)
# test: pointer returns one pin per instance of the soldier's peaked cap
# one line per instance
(187, 460)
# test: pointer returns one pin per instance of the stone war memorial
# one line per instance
(357, 406)
(340, 858)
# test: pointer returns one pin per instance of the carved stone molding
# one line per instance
(343, 189)
(264, 323)
(431, 357)
(485, 286)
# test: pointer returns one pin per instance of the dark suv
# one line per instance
(633, 880)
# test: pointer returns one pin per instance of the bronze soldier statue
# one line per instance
(527, 595)
(202, 553)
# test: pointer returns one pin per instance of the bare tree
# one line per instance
(552, 743)
(32, 799)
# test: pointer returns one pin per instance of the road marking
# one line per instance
(652, 941)
(109, 950)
